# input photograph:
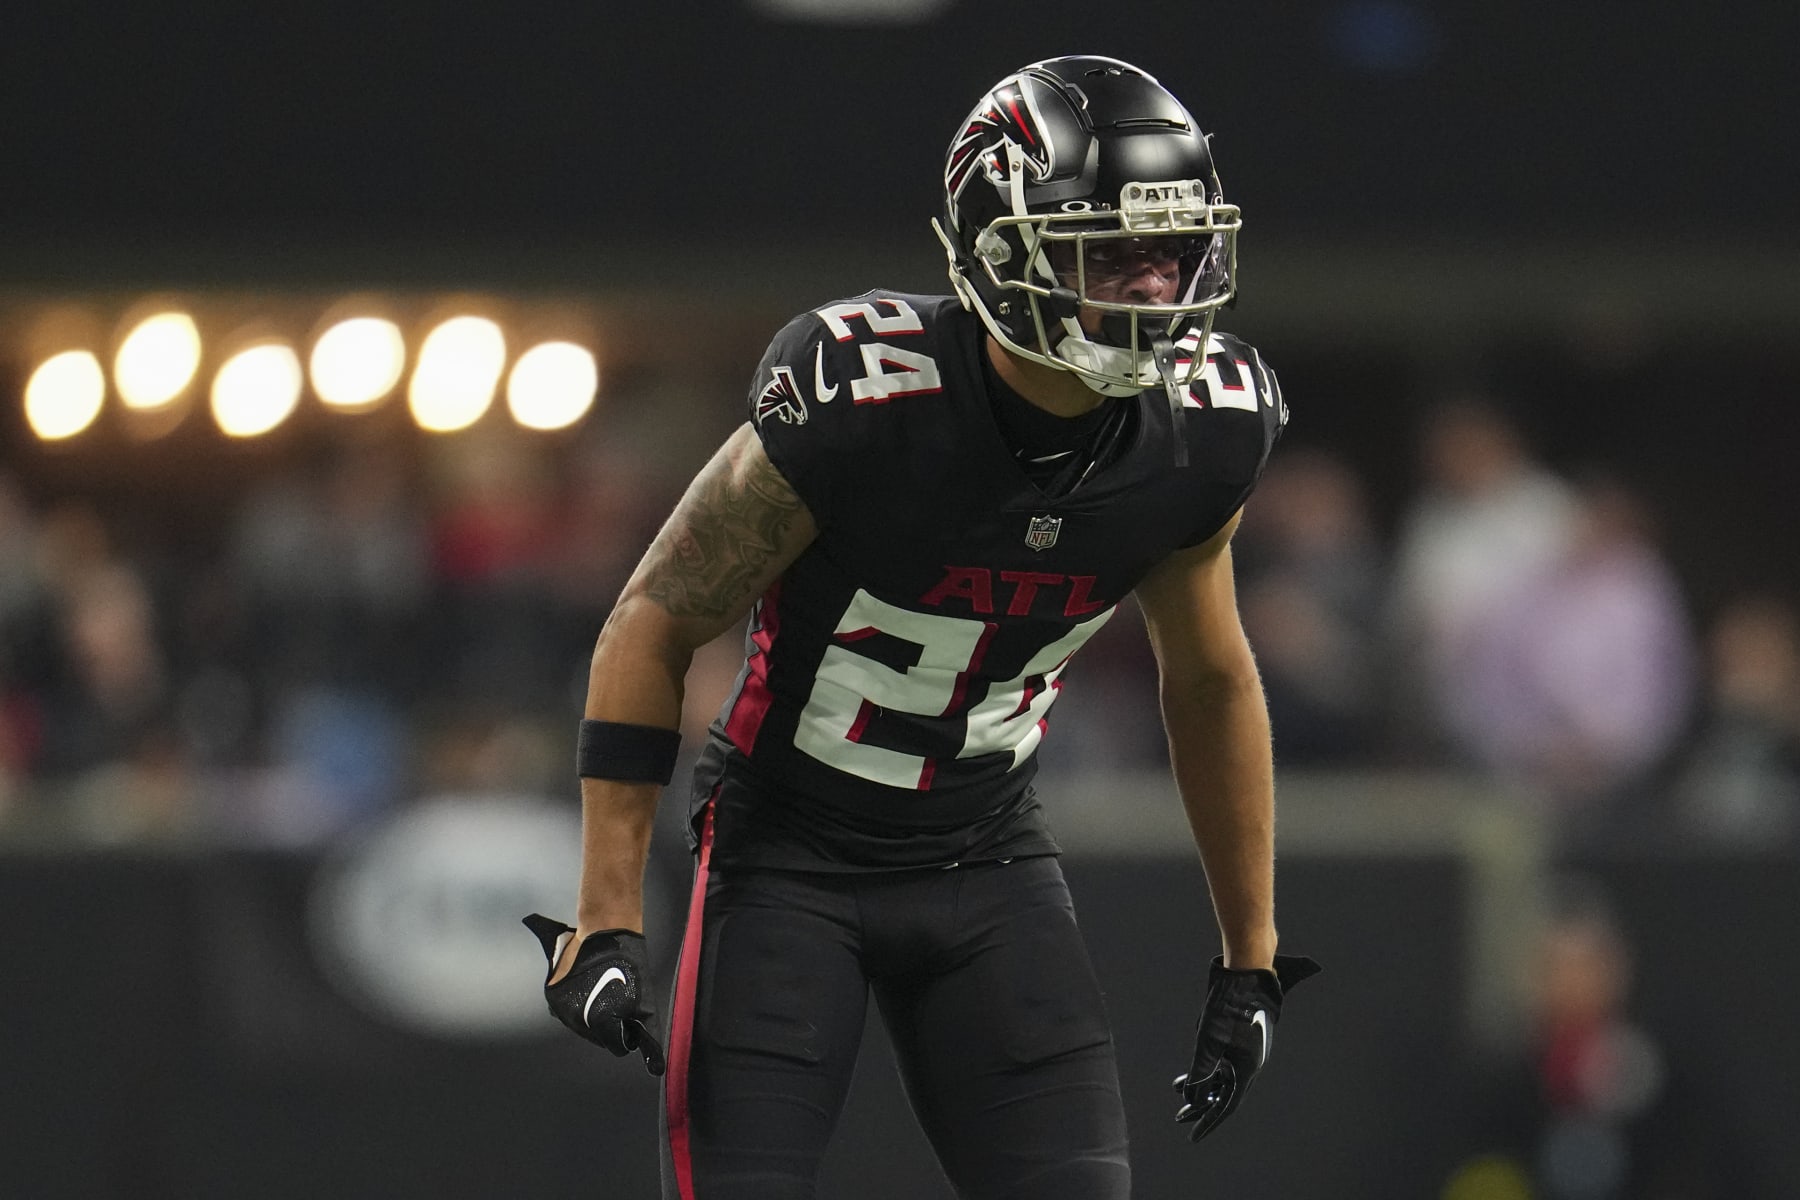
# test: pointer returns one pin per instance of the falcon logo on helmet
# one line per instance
(1004, 131)
(781, 398)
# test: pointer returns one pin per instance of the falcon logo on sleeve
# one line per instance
(782, 399)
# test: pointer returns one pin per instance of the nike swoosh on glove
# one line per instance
(605, 996)
(1234, 1035)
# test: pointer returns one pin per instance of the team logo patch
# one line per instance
(781, 398)
(1041, 533)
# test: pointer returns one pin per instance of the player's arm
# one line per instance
(1218, 728)
(737, 528)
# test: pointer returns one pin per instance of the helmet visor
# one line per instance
(1165, 272)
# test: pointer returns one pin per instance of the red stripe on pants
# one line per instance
(681, 1019)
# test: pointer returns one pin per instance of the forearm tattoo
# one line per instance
(711, 558)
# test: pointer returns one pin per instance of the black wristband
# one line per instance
(629, 753)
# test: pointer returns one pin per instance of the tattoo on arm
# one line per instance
(713, 557)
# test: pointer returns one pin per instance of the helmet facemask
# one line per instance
(1095, 292)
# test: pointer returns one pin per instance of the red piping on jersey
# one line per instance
(962, 676)
(930, 391)
(1055, 684)
(863, 713)
(754, 698)
(681, 1016)
(1024, 703)
(1044, 721)
(857, 635)
(929, 770)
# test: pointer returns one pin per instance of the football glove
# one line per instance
(605, 996)
(1233, 1037)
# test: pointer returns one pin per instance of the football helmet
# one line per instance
(1085, 225)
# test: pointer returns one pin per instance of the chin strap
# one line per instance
(1162, 350)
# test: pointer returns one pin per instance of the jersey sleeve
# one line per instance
(795, 430)
(1250, 444)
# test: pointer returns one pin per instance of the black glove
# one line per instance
(604, 997)
(1234, 1034)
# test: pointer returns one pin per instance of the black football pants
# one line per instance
(988, 996)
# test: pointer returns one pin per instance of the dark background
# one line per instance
(1656, 123)
(227, 1065)
(220, 1074)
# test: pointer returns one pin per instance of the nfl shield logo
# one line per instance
(1041, 533)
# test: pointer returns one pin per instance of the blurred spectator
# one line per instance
(1309, 581)
(338, 568)
(486, 750)
(21, 728)
(612, 502)
(494, 513)
(490, 535)
(112, 684)
(1741, 782)
(1581, 684)
(376, 526)
(1594, 1107)
(97, 723)
(20, 582)
(348, 744)
(1487, 521)
(117, 666)
(22, 625)
(612, 505)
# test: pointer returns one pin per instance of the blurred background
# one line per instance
(350, 354)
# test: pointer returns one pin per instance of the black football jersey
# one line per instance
(900, 674)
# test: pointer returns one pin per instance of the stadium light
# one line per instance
(357, 362)
(458, 369)
(157, 360)
(257, 389)
(552, 385)
(64, 395)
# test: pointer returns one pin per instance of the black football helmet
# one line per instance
(1085, 225)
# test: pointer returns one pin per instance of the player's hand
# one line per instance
(604, 995)
(1236, 1031)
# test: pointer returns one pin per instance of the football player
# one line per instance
(935, 501)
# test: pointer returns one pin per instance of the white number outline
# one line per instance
(889, 371)
(917, 374)
(904, 319)
(850, 686)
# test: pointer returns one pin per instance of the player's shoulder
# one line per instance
(882, 309)
(867, 335)
(1232, 417)
(868, 349)
(1222, 341)
(872, 316)
(1236, 376)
